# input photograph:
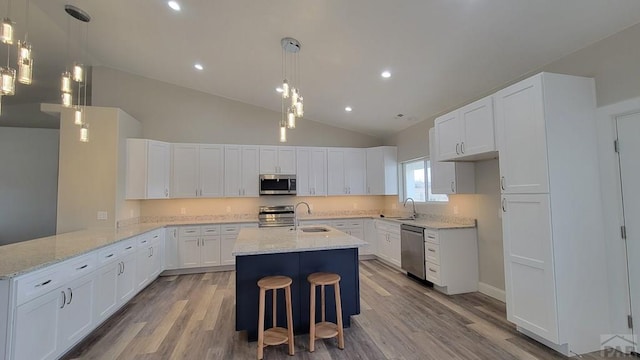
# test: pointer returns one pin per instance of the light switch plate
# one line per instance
(102, 215)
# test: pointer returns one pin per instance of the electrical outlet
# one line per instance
(183, 211)
(102, 215)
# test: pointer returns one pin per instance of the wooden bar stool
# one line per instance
(275, 335)
(324, 329)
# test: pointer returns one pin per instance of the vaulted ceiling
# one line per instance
(440, 53)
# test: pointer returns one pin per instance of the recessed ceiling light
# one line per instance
(174, 5)
(386, 74)
(279, 89)
(348, 109)
(198, 66)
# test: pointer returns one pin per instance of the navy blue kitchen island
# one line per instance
(281, 251)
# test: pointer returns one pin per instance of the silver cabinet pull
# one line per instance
(433, 271)
(128, 247)
(166, 192)
(453, 189)
(156, 236)
(504, 208)
(152, 251)
(64, 299)
(44, 283)
(502, 182)
(462, 147)
(82, 267)
(457, 149)
(432, 250)
(70, 296)
(123, 267)
(108, 256)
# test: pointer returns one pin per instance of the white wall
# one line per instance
(28, 183)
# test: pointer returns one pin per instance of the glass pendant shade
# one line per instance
(78, 72)
(291, 119)
(8, 80)
(283, 133)
(24, 50)
(65, 86)
(0, 104)
(25, 71)
(67, 99)
(77, 118)
(285, 89)
(84, 133)
(299, 108)
(294, 96)
(6, 31)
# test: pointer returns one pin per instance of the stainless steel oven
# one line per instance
(277, 184)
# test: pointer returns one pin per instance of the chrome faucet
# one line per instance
(414, 207)
(295, 214)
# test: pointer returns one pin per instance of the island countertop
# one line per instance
(258, 241)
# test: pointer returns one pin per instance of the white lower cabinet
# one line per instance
(149, 257)
(388, 241)
(451, 260)
(76, 315)
(199, 246)
(107, 290)
(36, 327)
(127, 278)
(171, 260)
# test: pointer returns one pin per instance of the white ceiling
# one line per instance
(441, 53)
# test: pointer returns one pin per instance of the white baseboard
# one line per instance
(492, 291)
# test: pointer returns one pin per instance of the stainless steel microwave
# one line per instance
(277, 184)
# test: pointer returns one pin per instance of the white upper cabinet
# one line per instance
(311, 171)
(467, 133)
(450, 177)
(241, 171)
(197, 170)
(148, 169)
(382, 170)
(520, 117)
(346, 171)
(277, 160)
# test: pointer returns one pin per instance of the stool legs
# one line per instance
(287, 291)
(336, 288)
(261, 325)
(312, 319)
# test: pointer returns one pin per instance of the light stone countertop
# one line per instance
(284, 240)
(420, 221)
(27, 256)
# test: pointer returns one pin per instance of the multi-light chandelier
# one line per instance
(292, 101)
(25, 61)
(78, 76)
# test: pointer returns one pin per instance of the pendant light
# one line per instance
(292, 107)
(6, 28)
(77, 73)
(84, 133)
(283, 131)
(25, 61)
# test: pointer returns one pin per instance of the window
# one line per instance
(414, 175)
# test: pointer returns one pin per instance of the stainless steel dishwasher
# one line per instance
(412, 250)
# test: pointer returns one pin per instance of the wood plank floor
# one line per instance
(193, 317)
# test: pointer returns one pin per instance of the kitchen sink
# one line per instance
(314, 229)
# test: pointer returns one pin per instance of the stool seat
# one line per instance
(274, 282)
(322, 278)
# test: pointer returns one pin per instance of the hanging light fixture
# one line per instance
(292, 107)
(25, 61)
(6, 28)
(84, 133)
(77, 73)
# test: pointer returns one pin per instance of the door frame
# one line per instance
(611, 192)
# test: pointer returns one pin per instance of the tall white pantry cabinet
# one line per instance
(555, 273)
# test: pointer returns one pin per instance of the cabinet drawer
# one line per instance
(76, 267)
(354, 223)
(189, 231)
(127, 247)
(431, 236)
(32, 285)
(339, 224)
(211, 230)
(109, 254)
(433, 273)
(155, 236)
(248, 225)
(432, 253)
(230, 229)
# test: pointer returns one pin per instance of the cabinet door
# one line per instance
(36, 327)
(184, 172)
(478, 127)
(226, 248)
(375, 171)
(189, 249)
(76, 317)
(143, 265)
(371, 237)
(250, 171)
(303, 171)
(336, 184)
(384, 250)
(171, 248)
(522, 139)
(394, 249)
(286, 160)
(158, 170)
(268, 160)
(155, 261)
(211, 170)
(232, 171)
(529, 270)
(356, 171)
(127, 278)
(318, 177)
(442, 173)
(106, 290)
(210, 250)
(448, 134)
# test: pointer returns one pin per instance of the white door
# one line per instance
(232, 171)
(318, 177)
(448, 134)
(268, 160)
(127, 278)
(211, 170)
(286, 160)
(522, 141)
(38, 319)
(250, 171)
(628, 128)
(529, 270)
(76, 317)
(189, 251)
(210, 250)
(158, 171)
(477, 125)
(336, 184)
(184, 173)
(355, 163)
